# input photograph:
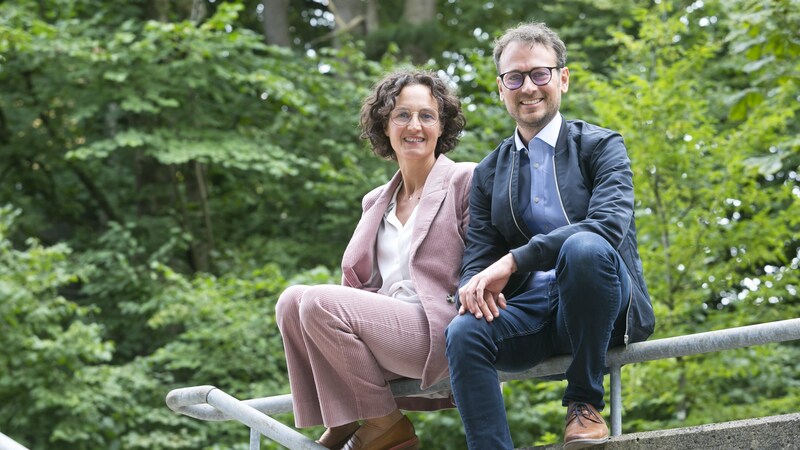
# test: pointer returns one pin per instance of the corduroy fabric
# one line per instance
(436, 249)
(435, 261)
(342, 345)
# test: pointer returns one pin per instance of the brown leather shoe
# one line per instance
(401, 436)
(584, 427)
(325, 439)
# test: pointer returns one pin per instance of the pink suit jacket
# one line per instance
(437, 248)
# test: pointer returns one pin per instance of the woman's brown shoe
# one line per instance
(400, 436)
(325, 439)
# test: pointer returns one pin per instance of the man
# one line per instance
(551, 264)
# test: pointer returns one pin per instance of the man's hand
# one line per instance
(483, 294)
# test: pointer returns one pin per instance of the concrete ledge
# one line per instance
(773, 433)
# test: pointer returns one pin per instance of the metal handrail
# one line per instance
(205, 402)
(6, 443)
(182, 400)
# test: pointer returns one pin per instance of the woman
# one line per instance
(387, 320)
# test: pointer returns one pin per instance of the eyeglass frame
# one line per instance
(419, 119)
(529, 75)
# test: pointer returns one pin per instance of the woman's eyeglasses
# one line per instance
(402, 117)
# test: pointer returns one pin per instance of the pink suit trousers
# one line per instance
(342, 345)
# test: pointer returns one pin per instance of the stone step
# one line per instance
(767, 433)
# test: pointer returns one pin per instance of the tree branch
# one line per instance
(87, 181)
(338, 31)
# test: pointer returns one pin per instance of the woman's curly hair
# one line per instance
(379, 104)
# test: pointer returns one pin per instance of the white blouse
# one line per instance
(394, 249)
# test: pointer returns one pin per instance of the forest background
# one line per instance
(167, 168)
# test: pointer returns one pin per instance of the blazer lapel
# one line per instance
(432, 197)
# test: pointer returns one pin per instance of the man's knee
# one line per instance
(464, 332)
(584, 247)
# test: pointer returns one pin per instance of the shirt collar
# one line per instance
(548, 134)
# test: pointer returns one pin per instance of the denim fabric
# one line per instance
(578, 314)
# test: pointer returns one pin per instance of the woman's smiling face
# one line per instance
(417, 139)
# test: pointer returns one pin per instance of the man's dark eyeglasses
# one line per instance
(539, 75)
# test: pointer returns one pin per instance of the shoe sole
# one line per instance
(338, 445)
(411, 444)
(584, 443)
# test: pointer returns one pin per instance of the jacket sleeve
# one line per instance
(366, 202)
(610, 207)
(465, 199)
(485, 244)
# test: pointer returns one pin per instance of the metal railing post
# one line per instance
(255, 439)
(616, 399)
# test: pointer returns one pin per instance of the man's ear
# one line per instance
(565, 79)
(500, 88)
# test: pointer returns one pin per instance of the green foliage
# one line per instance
(49, 351)
(103, 119)
(122, 279)
(170, 175)
(535, 412)
(716, 239)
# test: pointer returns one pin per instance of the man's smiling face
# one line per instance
(532, 106)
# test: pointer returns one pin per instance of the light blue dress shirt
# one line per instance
(541, 207)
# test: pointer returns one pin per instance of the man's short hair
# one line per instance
(532, 33)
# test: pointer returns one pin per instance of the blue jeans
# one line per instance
(581, 313)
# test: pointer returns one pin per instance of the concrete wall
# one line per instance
(768, 433)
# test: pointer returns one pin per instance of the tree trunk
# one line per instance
(349, 15)
(158, 10)
(189, 192)
(202, 196)
(276, 22)
(198, 12)
(417, 12)
(372, 23)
